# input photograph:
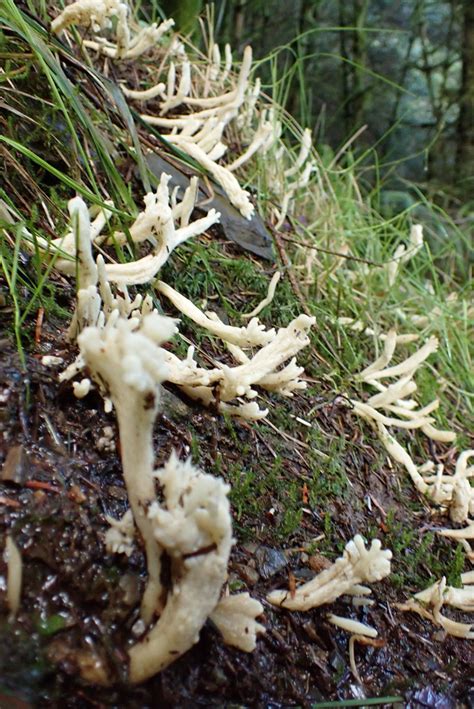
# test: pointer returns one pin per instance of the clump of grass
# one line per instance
(420, 558)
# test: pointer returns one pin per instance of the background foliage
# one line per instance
(400, 76)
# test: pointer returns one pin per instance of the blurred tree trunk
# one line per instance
(298, 99)
(359, 56)
(353, 49)
(465, 143)
(345, 68)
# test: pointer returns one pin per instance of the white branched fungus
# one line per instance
(360, 632)
(249, 411)
(403, 254)
(464, 533)
(235, 618)
(82, 388)
(356, 565)
(88, 300)
(14, 563)
(100, 307)
(452, 491)
(428, 604)
(263, 370)
(359, 326)
(401, 455)
(155, 224)
(285, 184)
(200, 133)
(51, 361)
(119, 538)
(64, 248)
(352, 626)
(193, 525)
(120, 342)
(403, 413)
(236, 194)
(462, 536)
(461, 598)
(268, 298)
(261, 142)
(97, 15)
(106, 442)
(223, 384)
(253, 335)
(94, 14)
(128, 367)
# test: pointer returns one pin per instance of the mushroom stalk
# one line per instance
(182, 618)
(193, 525)
(137, 464)
(128, 366)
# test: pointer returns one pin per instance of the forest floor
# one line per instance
(299, 493)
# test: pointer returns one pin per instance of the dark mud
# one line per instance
(76, 598)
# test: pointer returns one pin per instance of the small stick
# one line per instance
(287, 263)
(39, 325)
(8, 502)
(39, 485)
(307, 245)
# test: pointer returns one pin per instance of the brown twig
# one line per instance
(39, 485)
(287, 263)
(39, 325)
(307, 245)
(8, 502)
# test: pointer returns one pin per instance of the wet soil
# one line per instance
(78, 598)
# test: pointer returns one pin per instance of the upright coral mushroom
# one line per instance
(194, 527)
(157, 223)
(428, 604)
(97, 15)
(403, 412)
(357, 565)
(128, 366)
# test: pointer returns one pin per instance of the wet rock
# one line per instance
(173, 406)
(269, 561)
(247, 573)
(337, 662)
(310, 630)
(428, 697)
(130, 585)
(118, 493)
(303, 574)
(15, 467)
